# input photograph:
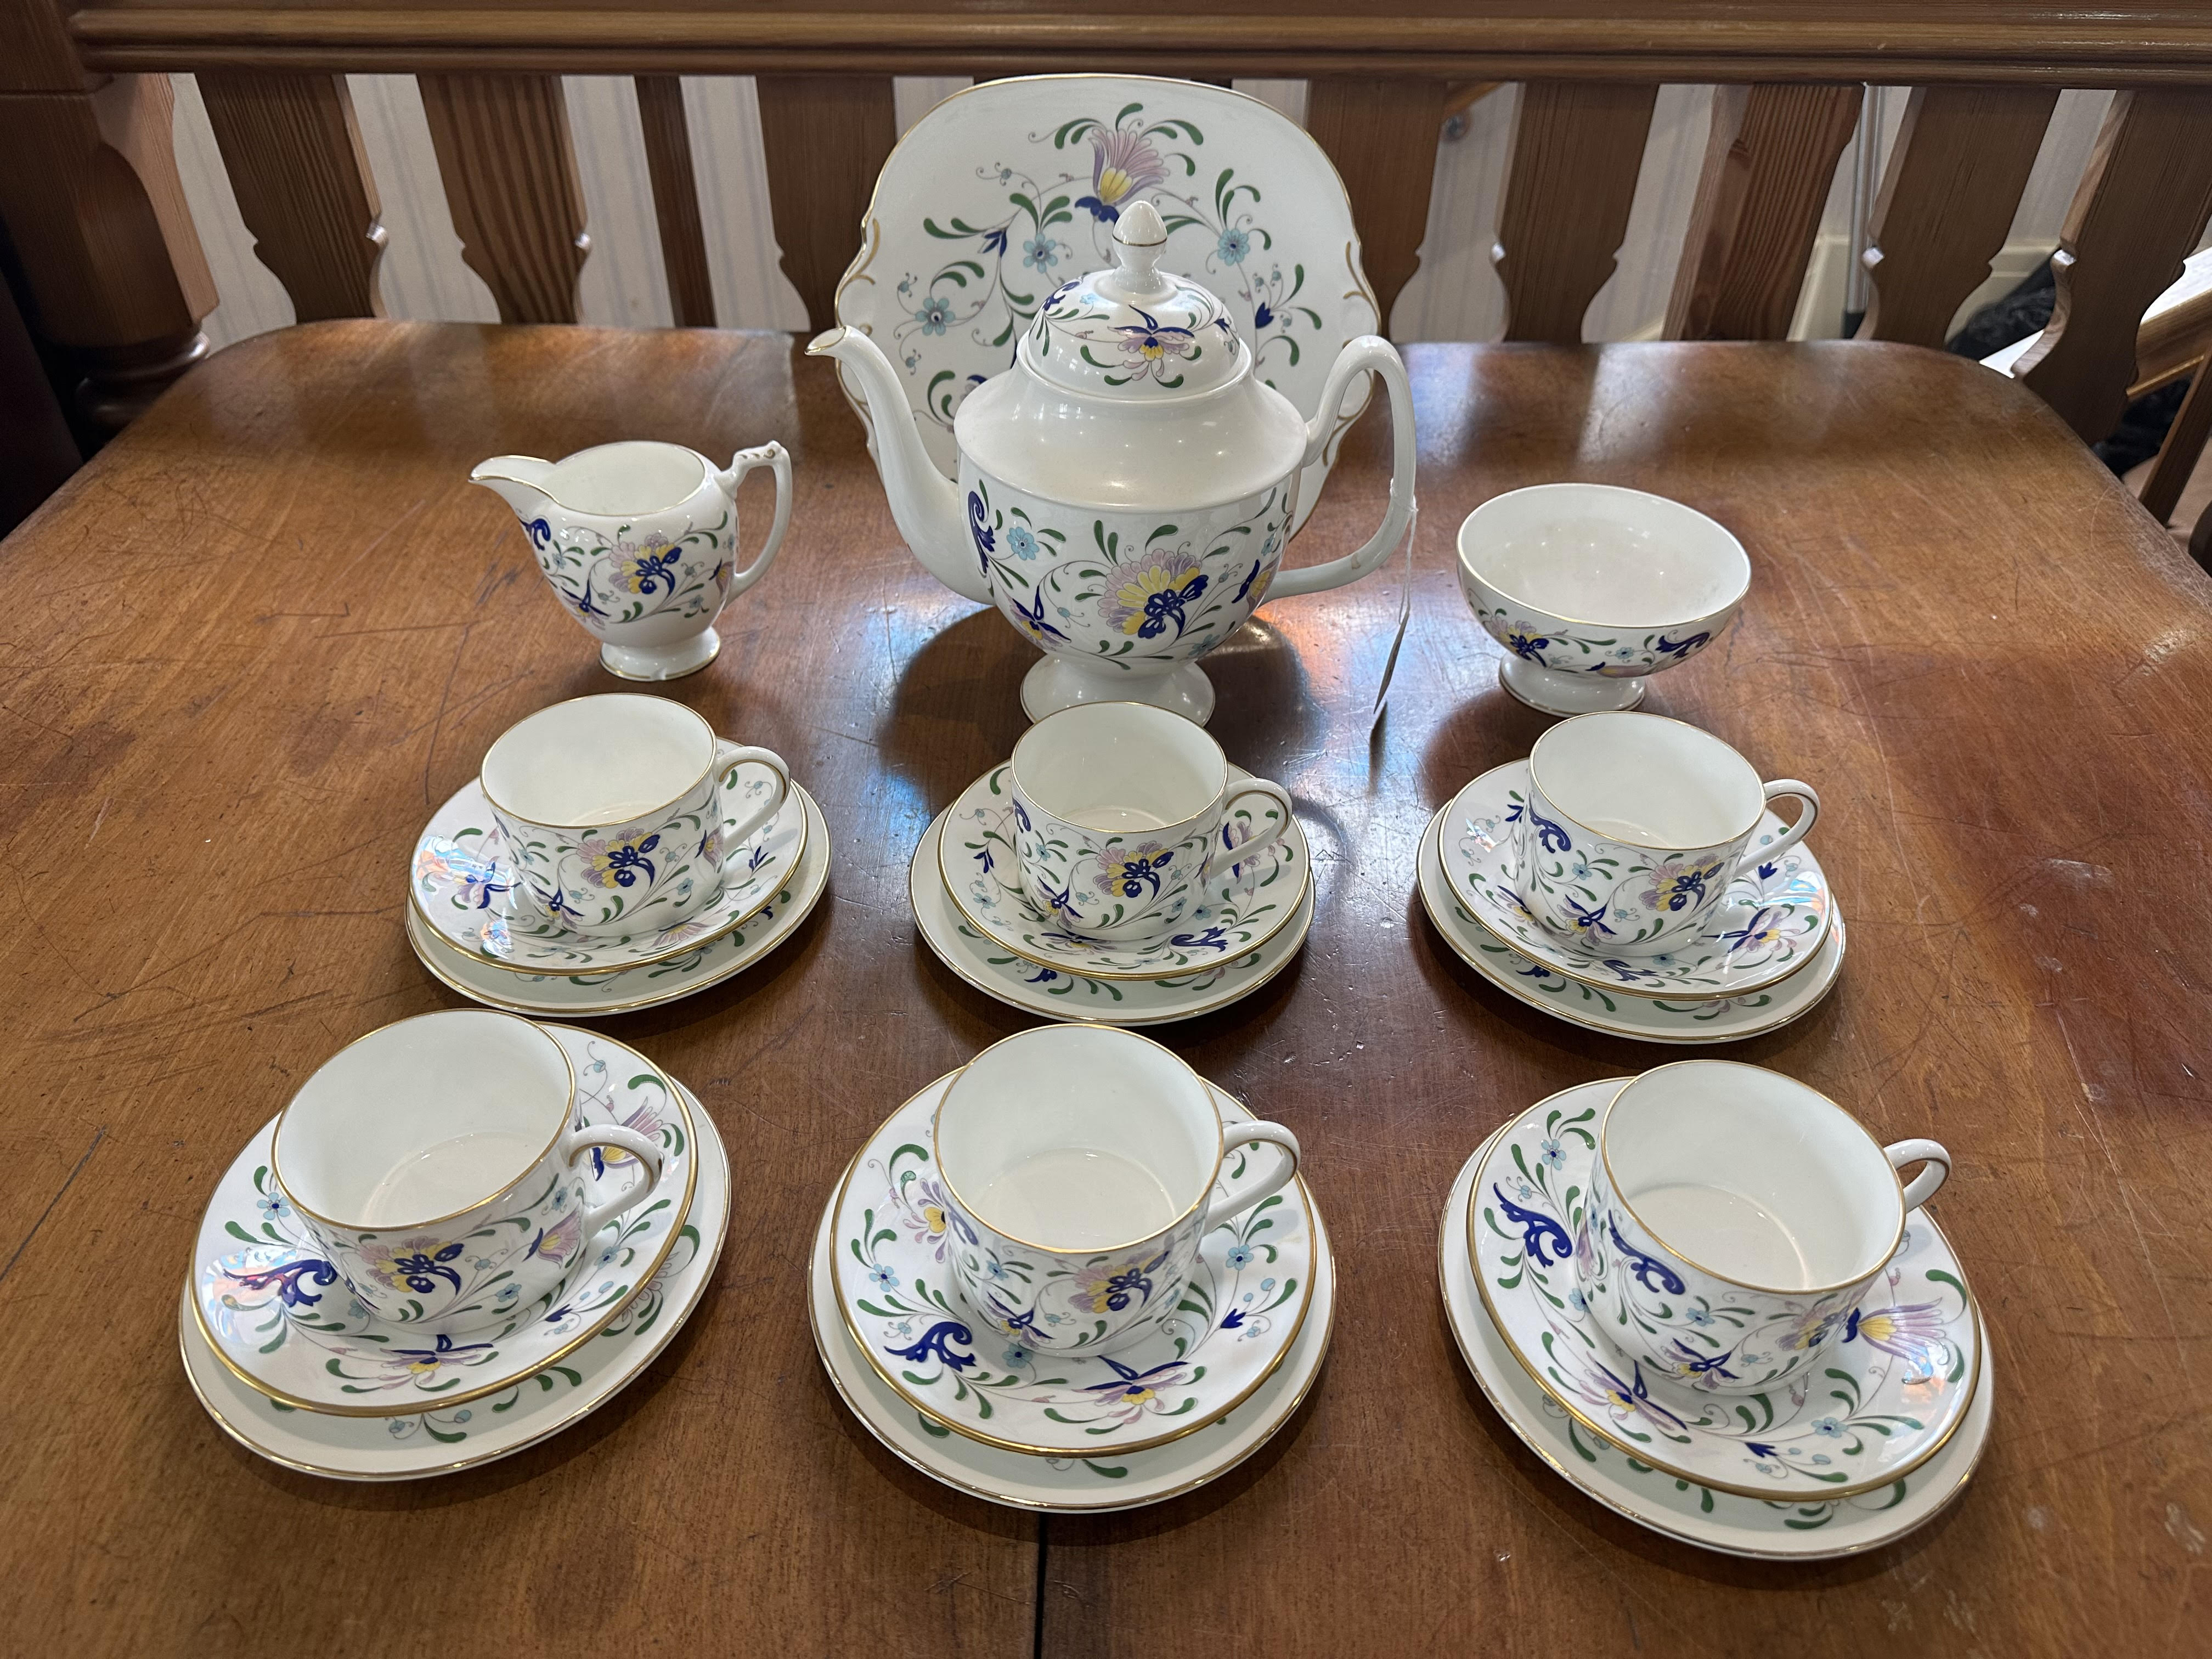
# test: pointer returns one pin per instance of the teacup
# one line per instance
(1079, 1163)
(434, 1162)
(1734, 1219)
(612, 808)
(1590, 588)
(1120, 809)
(639, 542)
(1634, 826)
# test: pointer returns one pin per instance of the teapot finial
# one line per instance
(1139, 239)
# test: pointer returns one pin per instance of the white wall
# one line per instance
(1454, 294)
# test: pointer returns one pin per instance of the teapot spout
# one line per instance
(520, 480)
(925, 505)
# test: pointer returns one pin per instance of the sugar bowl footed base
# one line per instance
(1056, 683)
(1554, 693)
(662, 662)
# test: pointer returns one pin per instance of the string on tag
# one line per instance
(1405, 615)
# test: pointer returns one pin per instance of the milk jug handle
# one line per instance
(775, 456)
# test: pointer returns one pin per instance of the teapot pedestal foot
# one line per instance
(662, 662)
(1055, 684)
(1555, 693)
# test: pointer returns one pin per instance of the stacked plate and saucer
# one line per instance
(1774, 1424)
(325, 1327)
(1026, 1317)
(1653, 893)
(628, 858)
(1116, 869)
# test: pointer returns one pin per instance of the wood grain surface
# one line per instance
(1570, 182)
(1770, 161)
(2058, 42)
(1962, 157)
(268, 629)
(292, 147)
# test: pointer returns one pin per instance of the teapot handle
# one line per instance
(1371, 353)
(775, 456)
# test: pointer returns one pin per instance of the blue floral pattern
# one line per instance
(1240, 1309)
(1865, 1420)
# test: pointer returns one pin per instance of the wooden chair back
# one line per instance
(89, 194)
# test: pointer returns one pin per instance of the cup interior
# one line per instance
(1752, 1177)
(1078, 1138)
(598, 762)
(1599, 554)
(1118, 767)
(1648, 781)
(626, 480)
(423, 1119)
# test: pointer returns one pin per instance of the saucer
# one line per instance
(1100, 1480)
(1243, 907)
(1021, 983)
(1886, 1398)
(1770, 924)
(1759, 1527)
(450, 1437)
(905, 1311)
(273, 1309)
(1722, 1020)
(466, 890)
(587, 997)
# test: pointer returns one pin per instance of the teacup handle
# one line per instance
(1922, 1188)
(1781, 788)
(1369, 354)
(728, 757)
(776, 457)
(1261, 839)
(577, 1142)
(1236, 1203)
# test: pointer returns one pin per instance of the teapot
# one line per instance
(1126, 487)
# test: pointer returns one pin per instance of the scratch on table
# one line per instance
(98, 1135)
(2120, 1184)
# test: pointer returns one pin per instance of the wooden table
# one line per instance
(270, 629)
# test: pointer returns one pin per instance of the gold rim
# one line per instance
(1646, 1454)
(1220, 794)
(1220, 1144)
(713, 756)
(1514, 946)
(706, 472)
(1289, 1410)
(1675, 1530)
(1460, 548)
(1590, 1022)
(968, 1431)
(952, 895)
(1630, 841)
(713, 1255)
(276, 1135)
(797, 853)
(1304, 908)
(603, 1319)
(426, 948)
(1896, 1233)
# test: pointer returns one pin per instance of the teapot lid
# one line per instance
(1133, 331)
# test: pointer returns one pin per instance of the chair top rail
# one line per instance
(2130, 43)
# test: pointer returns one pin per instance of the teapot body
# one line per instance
(1123, 597)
